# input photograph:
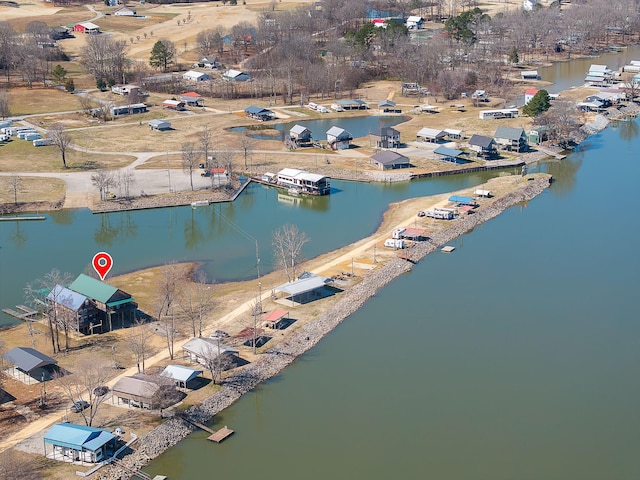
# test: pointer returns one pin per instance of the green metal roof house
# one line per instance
(115, 303)
(78, 443)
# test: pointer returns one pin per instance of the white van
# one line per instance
(313, 106)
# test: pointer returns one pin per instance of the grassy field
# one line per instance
(31, 101)
(21, 156)
(48, 189)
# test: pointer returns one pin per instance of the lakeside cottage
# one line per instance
(386, 137)
(484, 146)
(301, 136)
(70, 442)
(73, 309)
(140, 391)
(338, 138)
(513, 139)
(388, 160)
(201, 350)
(259, 113)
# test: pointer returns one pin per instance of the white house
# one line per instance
(338, 138)
(431, 135)
(195, 76)
(529, 93)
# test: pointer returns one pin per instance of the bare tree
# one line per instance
(61, 139)
(195, 300)
(5, 109)
(138, 343)
(105, 57)
(42, 294)
(82, 385)
(15, 185)
(103, 180)
(189, 159)
(287, 248)
(7, 45)
(205, 137)
(215, 359)
(126, 180)
(171, 279)
(246, 144)
(209, 41)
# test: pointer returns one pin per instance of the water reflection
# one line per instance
(565, 173)
(112, 228)
(628, 130)
(19, 238)
(63, 217)
(193, 234)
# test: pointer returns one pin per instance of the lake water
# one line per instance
(222, 236)
(515, 357)
(356, 126)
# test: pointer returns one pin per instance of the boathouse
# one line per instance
(29, 364)
(259, 113)
(305, 182)
(114, 304)
(78, 443)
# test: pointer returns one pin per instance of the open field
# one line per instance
(49, 189)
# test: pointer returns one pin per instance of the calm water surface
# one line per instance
(515, 357)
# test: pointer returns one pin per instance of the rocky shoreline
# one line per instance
(275, 360)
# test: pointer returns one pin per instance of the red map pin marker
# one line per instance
(102, 263)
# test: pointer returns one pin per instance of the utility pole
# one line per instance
(169, 172)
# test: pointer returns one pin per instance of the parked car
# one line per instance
(78, 406)
(100, 391)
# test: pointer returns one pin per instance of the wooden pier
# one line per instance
(220, 435)
(24, 313)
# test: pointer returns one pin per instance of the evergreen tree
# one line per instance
(513, 55)
(69, 86)
(538, 104)
(101, 85)
(162, 54)
(58, 74)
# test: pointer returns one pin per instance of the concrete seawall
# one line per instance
(275, 360)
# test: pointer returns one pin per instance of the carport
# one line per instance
(30, 364)
(305, 289)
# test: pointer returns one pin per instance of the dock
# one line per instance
(448, 249)
(24, 313)
(220, 435)
(20, 219)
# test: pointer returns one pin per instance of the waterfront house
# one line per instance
(303, 181)
(180, 374)
(388, 160)
(201, 350)
(386, 137)
(236, 76)
(484, 146)
(509, 138)
(449, 154)
(176, 105)
(70, 442)
(259, 113)
(159, 125)
(73, 309)
(338, 138)
(194, 76)
(192, 99)
(29, 364)
(114, 304)
(301, 135)
(431, 135)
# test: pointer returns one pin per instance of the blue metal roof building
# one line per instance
(80, 443)
(462, 200)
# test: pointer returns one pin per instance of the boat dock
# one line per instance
(24, 313)
(216, 436)
(220, 435)
(19, 219)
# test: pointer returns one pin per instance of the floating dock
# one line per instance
(21, 219)
(220, 435)
(447, 249)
